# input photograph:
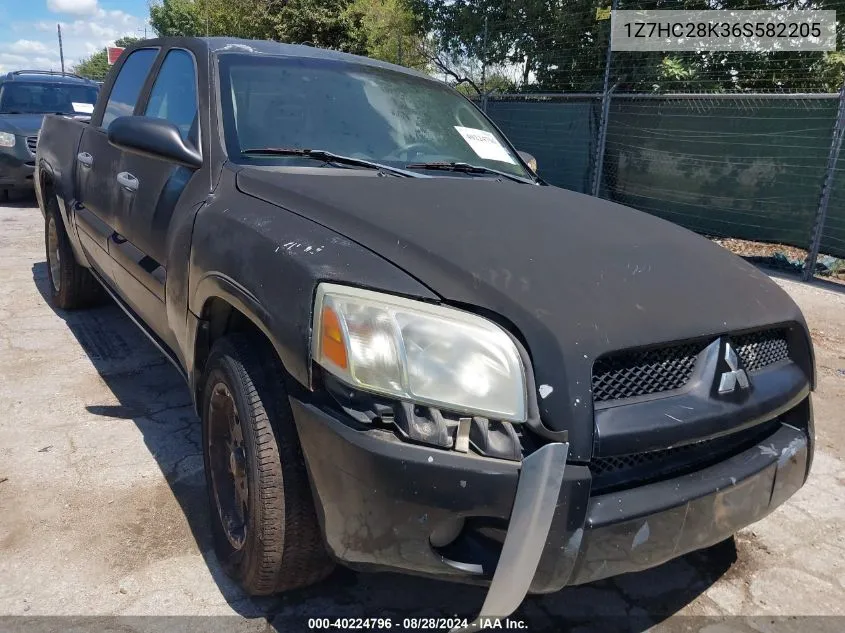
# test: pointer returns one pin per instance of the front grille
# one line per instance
(624, 471)
(761, 349)
(617, 463)
(640, 373)
(32, 143)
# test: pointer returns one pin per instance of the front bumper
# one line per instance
(642, 527)
(381, 500)
(17, 166)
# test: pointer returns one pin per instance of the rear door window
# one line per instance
(128, 85)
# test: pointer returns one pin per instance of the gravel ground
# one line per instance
(763, 251)
(748, 248)
(103, 511)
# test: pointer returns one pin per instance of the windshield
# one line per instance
(18, 97)
(358, 111)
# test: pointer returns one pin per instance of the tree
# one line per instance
(249, 19)
(323, 23)
(502, 34)
(383, 29)
(387, 30)
(176, 17)
(561, 45)
(317, 22)
(469, 76)
(494, 83)
(96, 66)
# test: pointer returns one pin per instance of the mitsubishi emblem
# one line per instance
(735, 376)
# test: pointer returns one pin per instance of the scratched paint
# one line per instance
(791, 449)
(574, 542)
(301, 248)
(238, 47)
(641, 536)
(769, 450)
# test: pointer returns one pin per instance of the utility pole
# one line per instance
(61, 49)
(607, 90)
(484, 70)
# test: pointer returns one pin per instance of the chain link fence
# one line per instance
(731, 145)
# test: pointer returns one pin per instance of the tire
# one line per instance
(268, 540)
(71, 286)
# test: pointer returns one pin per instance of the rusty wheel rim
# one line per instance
(54, 258)
(228, 465)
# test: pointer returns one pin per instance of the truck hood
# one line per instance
(575, 276)
(21, 124)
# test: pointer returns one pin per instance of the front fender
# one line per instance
(217, 285)
(267, 262)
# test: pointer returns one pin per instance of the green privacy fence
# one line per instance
(744, 166)
(750, 168)
(560, 132)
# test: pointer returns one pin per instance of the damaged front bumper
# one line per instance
(529, 527)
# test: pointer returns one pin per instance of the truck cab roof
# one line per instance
(222, 45)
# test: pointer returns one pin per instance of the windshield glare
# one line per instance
(46, 97)
(359, 111)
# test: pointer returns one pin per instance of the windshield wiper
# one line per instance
(466, 168)
(327, 157)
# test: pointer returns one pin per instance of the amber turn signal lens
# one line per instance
(331, 339)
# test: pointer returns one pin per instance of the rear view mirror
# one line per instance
(529, 160)
(156, 138)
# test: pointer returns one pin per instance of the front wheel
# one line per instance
(266, 533)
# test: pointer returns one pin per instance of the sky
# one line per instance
(28, 38)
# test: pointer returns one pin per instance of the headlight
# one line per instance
(414, 351)
(7, 140)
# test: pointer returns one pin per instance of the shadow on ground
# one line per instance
(152, 394)
(20, 200)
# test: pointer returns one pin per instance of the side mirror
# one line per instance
(155, 138)
(529, 160)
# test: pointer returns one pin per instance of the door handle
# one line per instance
(85, 159)
(127, 181)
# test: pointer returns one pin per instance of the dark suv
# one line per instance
(25, 97)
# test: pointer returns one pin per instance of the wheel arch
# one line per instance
(44, 186)
(49, 185)
(222, 306)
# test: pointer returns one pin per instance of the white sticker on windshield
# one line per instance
(85, 108)
(485, 144)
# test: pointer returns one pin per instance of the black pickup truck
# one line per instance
(407, 351)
